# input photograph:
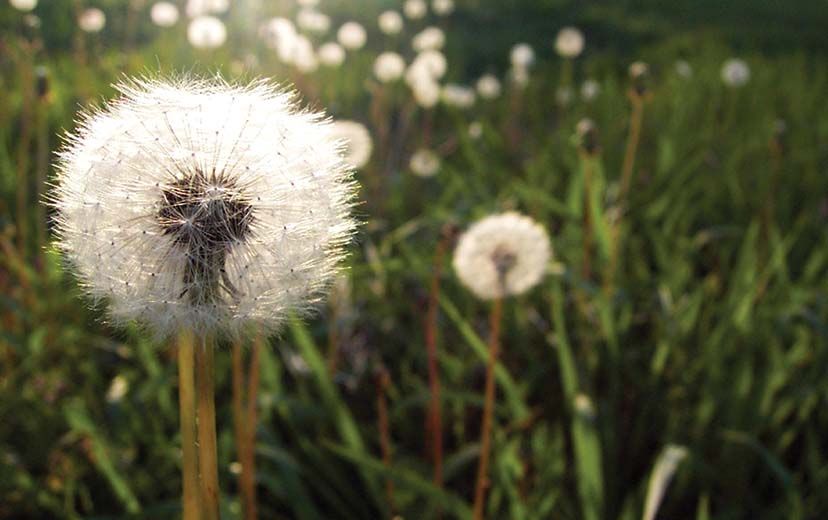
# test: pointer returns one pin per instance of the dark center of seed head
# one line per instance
(504, 260)
(205, 215)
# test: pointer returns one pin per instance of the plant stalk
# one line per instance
(208, 463)
(190, 501)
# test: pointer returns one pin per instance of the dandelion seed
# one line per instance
(92, 20)
(569, 42)
(502, 255)
(442, 7)
(735, 72)
(23, 5)
(352, 36)
(590, 89)
(683, 69)
(415, 9)
(206, 32)
(388, 67)
(331, 54)
(164, 14)
(196, 8)
(357, 142)
(390, 22)
(429, 39)
(488, 86)
(458, 96)
(312, 21)
(201, 205)
(424, 163)
(522, 56)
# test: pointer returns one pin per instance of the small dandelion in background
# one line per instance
(388, 67)
(303, 56)
(23, 5)
(352, 36)
(442, 7)
(458, 96)
(424, 163)
(206, 32)
(312, 21)
(331, 54)
(488, 87)
(475, 130)
(735, 72)
(590, 89)
(196, 8)
(357, 142)
(522, 56)
(390, 22)
(429, 39)
(164, 14)
(415, 9)
(569, 43)
(280, 35)
(92, 20)
(683, 69)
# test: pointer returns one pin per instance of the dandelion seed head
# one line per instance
(390, 22)
(356, 142)
(388, 67)
(312, 21)
(735, 72)
(206, 32)
(280, 35)
(331, 54)
(429, 39)
(426, 91)
(488, 86)
(196, 8)
(23, 5)
(590, 89)
(204, 205)
(683, 69)
(569, 43)
(502, 255)
(431, 64)
(442, 7)
(92, 20)
(164, 14)
(352, 36)
(424, 163)
(458, 96)
(302, 56)
(522, 55)
(415, 9)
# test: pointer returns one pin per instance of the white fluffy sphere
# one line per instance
(164, 14)
(424, 163)
(569, 42)
(23, 5)
(92, 20)
(429, 39)
(415, 9)
(206, 32)
(331, 54)
(488, 86)
(735, 72)
(352, 36)
(390, 22)
(389, 66)
(356, 142)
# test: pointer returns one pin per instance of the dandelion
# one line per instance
(426, 91)
(424, 163)
(488, 86)
(280, 35)
(522, 56)
(415, 9)
(683, 69)
(429, 39)
(164, 14)
(475, 130)
(23, 5)
(388, 67)
(735, 72)
(195, 205)
(357, 143)
(118, 388)
(390, 22)
(458, 96)
(303, 56)
(590, 89)
(206, 32)
(92, 20)
(639, 74)
(331, 54)
(431, 64)
(442, 7)
(569, 43)
(312, 21)
(352, 36)
(519, 76)
(196, 8)
(307, 3)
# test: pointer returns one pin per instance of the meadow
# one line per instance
(670, 363)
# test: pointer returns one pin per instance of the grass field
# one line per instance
(682, 324)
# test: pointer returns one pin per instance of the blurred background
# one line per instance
(672, 363)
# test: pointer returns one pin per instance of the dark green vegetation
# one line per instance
(710, 332)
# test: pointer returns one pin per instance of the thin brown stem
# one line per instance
(24, 145)
(249, 462)
(238, 412)
(434, 421)
(632, 145)
(208, 461)
(482, 483)
(190, 501)
(383, 380)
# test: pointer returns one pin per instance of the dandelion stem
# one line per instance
(434, 422)
(187, 411)
(238, 410)
(207, 429)
(632, 145)
(586, 169)
(249, 463)
(23, 147)
(488, 411)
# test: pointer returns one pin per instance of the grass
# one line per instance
(712, 334)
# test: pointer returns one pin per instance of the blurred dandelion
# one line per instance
(431, 64)
(206, 32)
(302, 56)
(280, 35)
(426, 91)
(683, 69)
(357, 141)
(569, 43)
(475, 130)
(23, 5)
(388, 67)
(735, 72)
(196, 8)
(590, 89)
(424, 163)
(442, 7)
(488, 86)
(429, 39)
(522, 56)
(352, 36)
(457, 96)
(164, 14)
(331, 54)
(312, 21)
(92, 20)
(415, 9)
(390, 22)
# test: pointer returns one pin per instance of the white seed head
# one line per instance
(488, 86)
(164, 14)
(519, 76)
(442, 7)
(502, 255)
(280, 35)
(735, 72)
(312, 21)
(331, 54)
(356, 142)
(590, 89)
(522, 56)
(564, 95)
(388, 67)
(204, 205)
(415, 9)
(429, 39)
(92, 20)
(430, 64)
(684, 69)
(475, 130)
(424, 163)
(390, 22)
(307, 3)
(303, 57)
(458, 96)
(426, 91)
(23, 5)
(197, 8)
(352, 36)
(206, 32)
(570, 42)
